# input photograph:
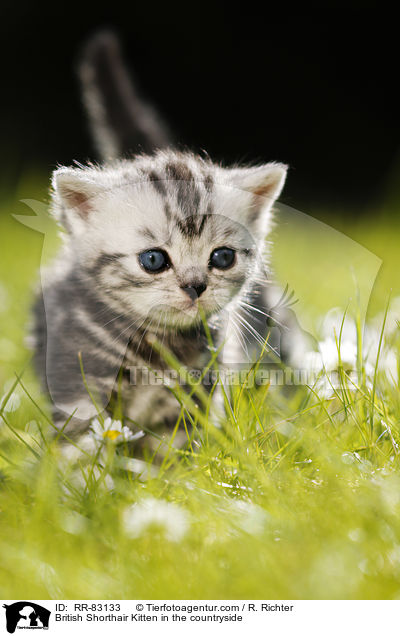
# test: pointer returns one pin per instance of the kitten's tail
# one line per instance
(121, 121)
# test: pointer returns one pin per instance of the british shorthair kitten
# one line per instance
(153, 245)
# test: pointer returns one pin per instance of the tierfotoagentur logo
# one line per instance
(116, 325)
(26, 615)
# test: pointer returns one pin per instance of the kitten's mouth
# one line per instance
(191, 306)
(196, 306)
(189, 310)
(184, 314)
(188, 313)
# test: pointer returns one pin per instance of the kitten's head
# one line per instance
(164, 235)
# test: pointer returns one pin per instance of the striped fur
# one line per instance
(101, 305)
(100, 311)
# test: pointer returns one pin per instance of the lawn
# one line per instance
(297, 496)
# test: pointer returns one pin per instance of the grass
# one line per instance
(297, 496)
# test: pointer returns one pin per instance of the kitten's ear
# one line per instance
(264, 183)
(74, 196)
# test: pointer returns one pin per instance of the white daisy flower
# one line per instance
(113, 430)
(167, 516)
(330, 354)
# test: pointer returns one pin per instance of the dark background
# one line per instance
(317, 92)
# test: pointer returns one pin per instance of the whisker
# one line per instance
(251, 313)
(263, 342)
(259, 311)
(241, 337)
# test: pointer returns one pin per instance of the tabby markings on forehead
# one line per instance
(187, 193)
(179, 171)
(203, 221)
(193, 226)
(208, 182)
(167, 211)
(158, 183)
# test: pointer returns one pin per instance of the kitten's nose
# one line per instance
(194, 291)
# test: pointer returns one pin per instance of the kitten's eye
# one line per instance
(154, 260)
(222, 258)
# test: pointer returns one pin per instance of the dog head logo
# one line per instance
(26, 615)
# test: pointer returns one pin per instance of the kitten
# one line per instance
(151, 244)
